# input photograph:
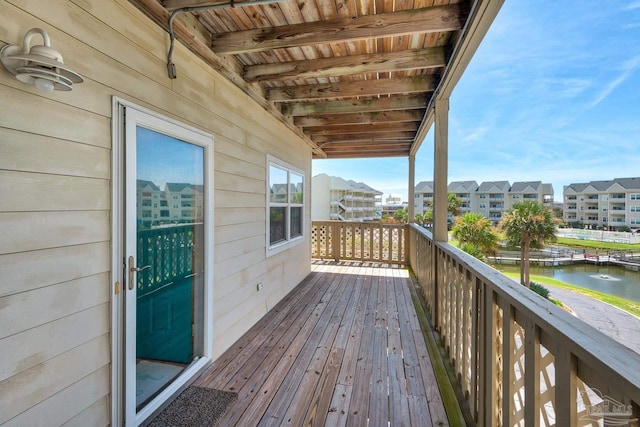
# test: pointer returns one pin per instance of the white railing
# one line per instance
(604, 236)
(521, 360)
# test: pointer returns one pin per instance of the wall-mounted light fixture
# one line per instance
(40, 65)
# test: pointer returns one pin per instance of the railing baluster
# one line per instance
(532, 374)
(475, 337)
(566, 387)
(508, 350)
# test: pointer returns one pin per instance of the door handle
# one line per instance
(134, 269)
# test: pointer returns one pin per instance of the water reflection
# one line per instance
(612, 280)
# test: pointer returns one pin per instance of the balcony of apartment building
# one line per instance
(394, 325)
(618, 196)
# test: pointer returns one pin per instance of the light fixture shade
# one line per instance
(39, 65)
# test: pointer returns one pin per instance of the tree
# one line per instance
(476, 235)
(401, 215)
(418, 219)
(528, 225)
(453, 204)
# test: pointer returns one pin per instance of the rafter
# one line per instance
(353, 89)
(348, 65)
(366, 136)
(360, 118)
(370, 128)
(357, 106)
(176, 4)
(366, 149)
(425, 20)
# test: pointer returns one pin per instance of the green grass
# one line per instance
(595, 244)
(624, 304)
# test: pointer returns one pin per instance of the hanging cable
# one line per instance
(171, 67)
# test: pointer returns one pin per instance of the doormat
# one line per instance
(195, 407)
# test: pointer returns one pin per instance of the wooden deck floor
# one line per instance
(344, 348)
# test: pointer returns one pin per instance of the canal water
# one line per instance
(612, 280)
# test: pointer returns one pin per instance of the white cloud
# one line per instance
(628, 68)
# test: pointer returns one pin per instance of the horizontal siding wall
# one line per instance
(55, 213)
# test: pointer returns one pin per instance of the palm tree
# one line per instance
(453, 204)
(528, 225)
(476, 235)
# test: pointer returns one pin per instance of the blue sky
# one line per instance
(552, 95)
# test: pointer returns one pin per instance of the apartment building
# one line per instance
(423, 197)
(491, 198)
(465, 192)
(177, 203)
(603, 204)
(334, 198)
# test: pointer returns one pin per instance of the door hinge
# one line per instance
(117, 288)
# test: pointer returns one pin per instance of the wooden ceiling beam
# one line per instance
(367, 151)
(366, 136)
(353, 89)
(400, 23)
(434, 57)
(177, 4)
(365, 155)
(355, 106)
(360, 118)
(370, 128)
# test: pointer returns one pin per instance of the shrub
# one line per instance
(540, 290)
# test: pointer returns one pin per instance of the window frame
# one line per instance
(288, 241)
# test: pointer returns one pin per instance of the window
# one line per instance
(285, 205)
(635, 197)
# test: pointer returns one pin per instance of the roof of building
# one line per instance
(141, 183)
(176, 187)
(626, 183)
(338, 183)
(462, 186)
(489, 185)
(424, 187)
(361, 186)
(518, 187)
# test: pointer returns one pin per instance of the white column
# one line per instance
(440, 160)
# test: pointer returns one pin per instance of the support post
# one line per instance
(411, 210)
(440, 160)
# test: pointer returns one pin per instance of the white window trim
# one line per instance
(289, 242)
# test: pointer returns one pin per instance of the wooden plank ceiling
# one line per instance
(352, 77)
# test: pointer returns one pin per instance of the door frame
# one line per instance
(118, 257)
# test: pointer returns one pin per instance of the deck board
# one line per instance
(341, 349)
